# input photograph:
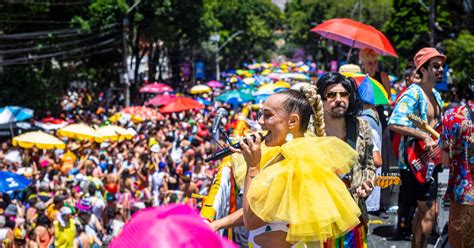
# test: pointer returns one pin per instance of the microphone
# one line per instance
(221, 113)
(226, 152)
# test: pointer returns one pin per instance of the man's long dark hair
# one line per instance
(355, 105)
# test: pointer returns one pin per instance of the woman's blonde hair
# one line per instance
(366, 54)
(311, 94)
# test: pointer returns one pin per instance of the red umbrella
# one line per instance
(160, 100)
(355, 34)
(156, 88)
(179, 104)
(144, 112)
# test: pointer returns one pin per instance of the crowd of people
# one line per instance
(83, 195)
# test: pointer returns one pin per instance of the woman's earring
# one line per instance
(289, 137)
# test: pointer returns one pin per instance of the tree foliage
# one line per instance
(460, 53)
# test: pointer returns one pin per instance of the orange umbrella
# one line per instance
(181, 103)
(355, 34)
(144, 113)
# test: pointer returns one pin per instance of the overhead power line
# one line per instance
(109, 42)
(56, 33)
(51, 3)
(57, 45)
(63, 57)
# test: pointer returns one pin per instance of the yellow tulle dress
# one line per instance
(304, 190)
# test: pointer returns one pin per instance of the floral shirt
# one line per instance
(457, 130)
(413, 101)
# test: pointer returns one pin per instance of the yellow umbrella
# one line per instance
(38, 139)
(282, 84)
(80, 131)
(199, 89)
(249, 80)
(114, 132)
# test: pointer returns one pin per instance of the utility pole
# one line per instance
(216, 39)
(125, 80)
(432, 22)
(360, 10)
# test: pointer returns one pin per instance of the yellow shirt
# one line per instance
(64, 235)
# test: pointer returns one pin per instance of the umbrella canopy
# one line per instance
(10, 181)
(12, 129)
(282, 84)
(38, 139)
(114, 132)
(355, 34)
(249, 81)
(269, 89)
(156, 88)
(160, 100)
(203, 101)
(79, 131)
(199, 89)
(178, 226)
(235, 97)
(143, 113)
(261, 98)
(215, 84)
(247, 90)
(179, 104)
(14, 113)
(296, 76)
(370, 90)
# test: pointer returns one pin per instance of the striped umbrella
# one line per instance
(369, 89)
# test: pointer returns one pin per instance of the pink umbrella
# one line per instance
(179, 104)
(160, 100)
(215, 84)
(156, 88)
(168, 226)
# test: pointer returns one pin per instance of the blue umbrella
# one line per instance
(261, 98)
(203, 101)
(10, 181)
(235, 97)
(14, 113)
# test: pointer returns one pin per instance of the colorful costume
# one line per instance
(303, 189)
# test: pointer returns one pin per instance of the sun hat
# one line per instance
(349, 68)
(425, 54)
(84, 206)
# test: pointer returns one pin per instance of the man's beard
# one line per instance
(336, 113)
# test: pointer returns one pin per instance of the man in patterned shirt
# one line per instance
(341, 110)
(458, 155)
(424, 101)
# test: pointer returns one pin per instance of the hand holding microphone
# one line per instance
(255, 138)
(250, 149)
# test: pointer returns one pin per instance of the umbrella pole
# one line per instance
(349, 55)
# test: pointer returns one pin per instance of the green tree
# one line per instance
(460, 53)
(258, 19)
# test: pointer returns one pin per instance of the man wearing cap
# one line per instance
(423, 100)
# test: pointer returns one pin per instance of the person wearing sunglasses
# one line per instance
(422, 100)
(341, 110)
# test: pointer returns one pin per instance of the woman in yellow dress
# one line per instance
(292, 193)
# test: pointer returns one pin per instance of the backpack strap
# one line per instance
(351, 135)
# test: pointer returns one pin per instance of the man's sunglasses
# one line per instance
(333, 94)
(436, 66)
